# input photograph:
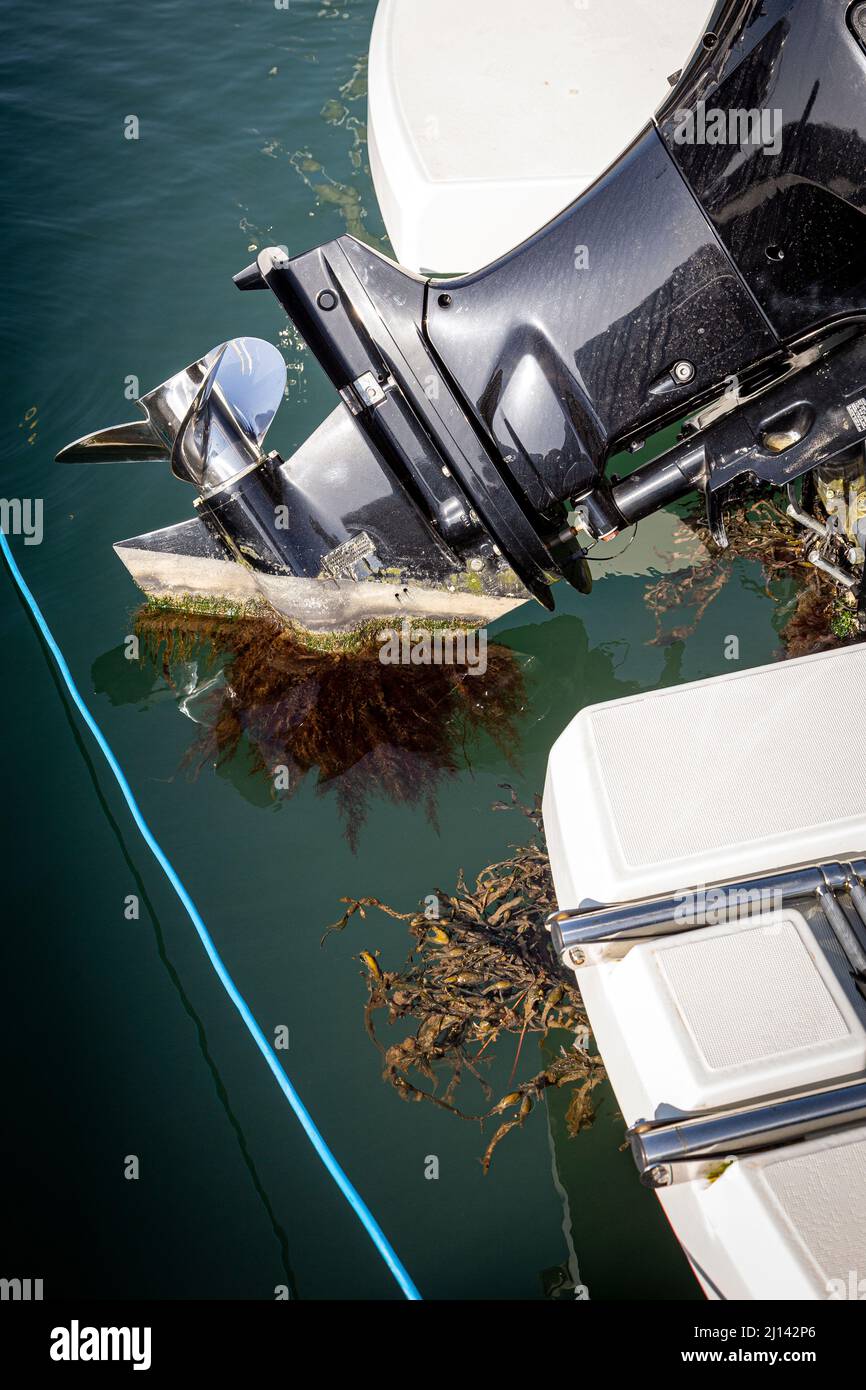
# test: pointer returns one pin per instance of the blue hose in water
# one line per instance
(352, 1196)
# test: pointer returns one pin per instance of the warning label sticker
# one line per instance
(342, 561)
(857, 411)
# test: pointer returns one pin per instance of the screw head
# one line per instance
(327, 300)
(683, 371)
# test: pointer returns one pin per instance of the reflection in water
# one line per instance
(364, 729)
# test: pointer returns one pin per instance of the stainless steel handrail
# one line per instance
(670, 1151)
(643, 919)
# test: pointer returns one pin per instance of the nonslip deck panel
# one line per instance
(768, 964)
(823, 1199)
(734, 1011)
(730, 752)
(710, 781)
(793, 1220)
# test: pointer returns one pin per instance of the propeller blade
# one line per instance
(230, 415)
(202, 419)
(135, 442)
(189, 455)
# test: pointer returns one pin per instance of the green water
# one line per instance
(117, 1038)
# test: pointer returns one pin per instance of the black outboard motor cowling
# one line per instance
(716, 273)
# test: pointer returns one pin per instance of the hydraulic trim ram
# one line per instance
(715, 274)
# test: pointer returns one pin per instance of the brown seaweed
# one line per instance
(815, 617)
(363, 729)
(481, 968)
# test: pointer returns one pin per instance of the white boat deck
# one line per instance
(672, 792)
(708, 781)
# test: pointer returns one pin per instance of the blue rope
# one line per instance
(352, 1196)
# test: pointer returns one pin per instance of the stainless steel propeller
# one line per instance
(208, 421)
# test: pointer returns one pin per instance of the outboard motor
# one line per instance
(715, 275)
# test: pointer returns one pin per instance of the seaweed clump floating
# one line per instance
(814, 619)
(482, 969)
(362, 727)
